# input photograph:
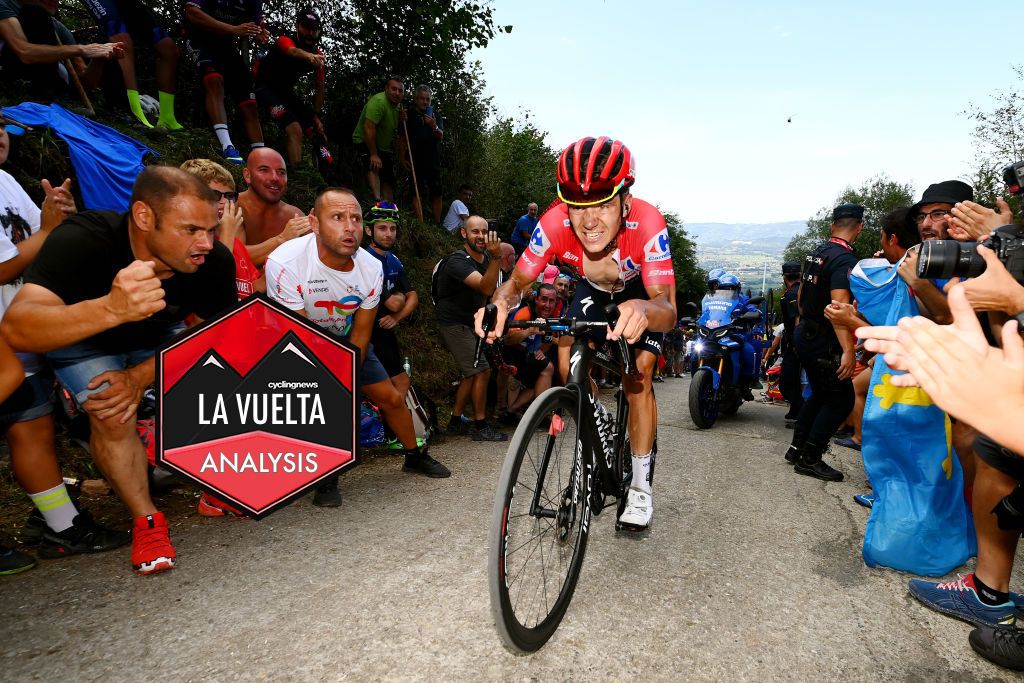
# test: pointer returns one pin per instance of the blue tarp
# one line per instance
(106, 162)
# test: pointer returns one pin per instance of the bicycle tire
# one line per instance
(519, 631)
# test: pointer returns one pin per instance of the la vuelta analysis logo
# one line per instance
(257, 407)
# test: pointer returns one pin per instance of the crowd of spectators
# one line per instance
(957, 338)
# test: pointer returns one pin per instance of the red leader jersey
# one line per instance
(641, 251)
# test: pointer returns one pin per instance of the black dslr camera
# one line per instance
(948, 258)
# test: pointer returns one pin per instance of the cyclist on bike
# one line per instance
(618, 247)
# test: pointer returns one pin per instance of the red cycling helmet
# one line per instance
(593, 170)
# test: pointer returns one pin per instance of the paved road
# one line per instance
(750, 573)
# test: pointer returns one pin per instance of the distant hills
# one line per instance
(744, 248)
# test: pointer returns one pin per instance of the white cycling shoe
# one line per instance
(638, 511)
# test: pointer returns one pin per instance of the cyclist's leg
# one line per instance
(643, 408)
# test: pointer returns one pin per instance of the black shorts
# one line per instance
(588, 303)
(220, 57)
(999, 458)
(387, 163)
(385, 345)
(284, 109)
(126, 16)
(528, 368)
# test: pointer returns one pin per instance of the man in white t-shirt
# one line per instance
(458, 212)
(327, 277)
(26, 417)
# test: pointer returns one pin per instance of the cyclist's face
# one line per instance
(596, 226)
(338, 221)
(385, 233)
(267, 175)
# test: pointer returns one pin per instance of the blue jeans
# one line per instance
(76, 365)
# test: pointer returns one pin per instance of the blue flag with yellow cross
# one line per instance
(920, 521)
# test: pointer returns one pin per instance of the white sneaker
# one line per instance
(638, 511)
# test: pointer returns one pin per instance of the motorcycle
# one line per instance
(715, 367)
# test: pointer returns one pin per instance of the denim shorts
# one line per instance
(32, 400)
(76, 365)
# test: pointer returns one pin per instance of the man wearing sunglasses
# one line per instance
(618, 245)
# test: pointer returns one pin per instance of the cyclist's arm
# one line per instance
(656, 314)
(506, 298)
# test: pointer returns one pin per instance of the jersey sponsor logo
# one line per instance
(539, 242)
(587, 303)
(566, 223)
(527, 260)
(654, 344)
(660, 273)
(569, 256)
(632, 225)
(319, 290)
(657, 248)
(629, 265)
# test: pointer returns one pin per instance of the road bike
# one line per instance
(568, 459)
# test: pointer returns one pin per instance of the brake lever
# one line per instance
(487, 324)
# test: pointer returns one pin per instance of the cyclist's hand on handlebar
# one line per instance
(632, 321)
(499, 322)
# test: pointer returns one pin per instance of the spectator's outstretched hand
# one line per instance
(136, 292)
(103, 51)
(993, 290)
(970, 222)
(954, 363)
(57, 205)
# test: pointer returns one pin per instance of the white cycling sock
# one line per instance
(641, 473)
(56, 507)
(223, 137)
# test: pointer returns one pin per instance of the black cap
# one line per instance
(848, 210)
(946, 192)
(790, 268)
(307, 17)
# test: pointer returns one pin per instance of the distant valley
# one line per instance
(744, 248)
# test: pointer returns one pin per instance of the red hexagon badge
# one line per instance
(258, 406)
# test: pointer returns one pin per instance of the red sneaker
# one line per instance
(152, 551)
(215, 507)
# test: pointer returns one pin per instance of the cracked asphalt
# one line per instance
(750, 572)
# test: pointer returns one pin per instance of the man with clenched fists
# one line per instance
(100, 333)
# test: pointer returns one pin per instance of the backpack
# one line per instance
(371, 427)
(435, 277)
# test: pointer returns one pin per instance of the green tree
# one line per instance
(516, 167)
(691, 280)
(998, 141)
(878, 196)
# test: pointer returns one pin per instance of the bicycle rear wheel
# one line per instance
(539, 524)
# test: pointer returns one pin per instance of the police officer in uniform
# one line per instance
(789, 382)
(826, 354)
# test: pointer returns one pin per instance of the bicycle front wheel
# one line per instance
(539, 524)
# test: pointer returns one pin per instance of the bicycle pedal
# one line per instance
(630, 528)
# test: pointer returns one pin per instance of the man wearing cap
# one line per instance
(826, 352)
(289, 60)
(789, 382)
(931, 215)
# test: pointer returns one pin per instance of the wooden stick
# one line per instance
(412, 167)
(73, 75)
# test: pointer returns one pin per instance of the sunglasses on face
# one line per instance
(231, 196)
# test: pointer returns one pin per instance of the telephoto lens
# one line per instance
(943, 259)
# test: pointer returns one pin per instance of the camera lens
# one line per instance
(943, 259)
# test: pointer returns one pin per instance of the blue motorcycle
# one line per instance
(717, 382)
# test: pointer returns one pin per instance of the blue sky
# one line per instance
(701, 92)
